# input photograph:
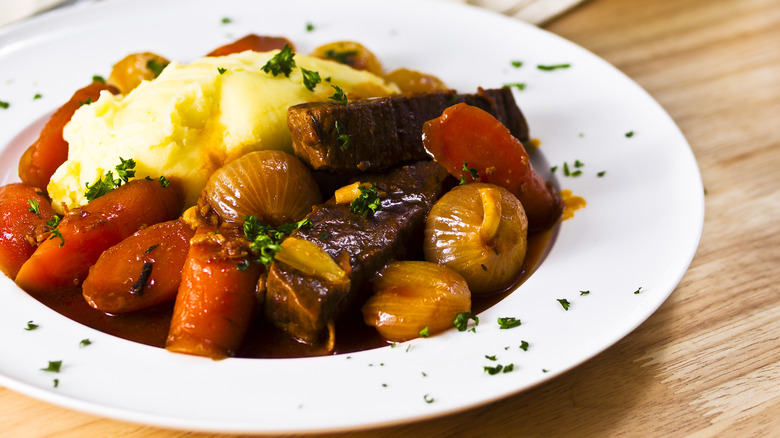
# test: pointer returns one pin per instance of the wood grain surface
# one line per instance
(707, 362)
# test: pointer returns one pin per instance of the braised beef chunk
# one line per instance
(376, 134)
(304, 305)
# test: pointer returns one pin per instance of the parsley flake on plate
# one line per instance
(508, 322)
(281, 63)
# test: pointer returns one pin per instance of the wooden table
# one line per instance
(707, 363)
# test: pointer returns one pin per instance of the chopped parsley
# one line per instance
(343, 138)
(310, 79)
(493, 358)
(98, 78)
(343, 57)
(54, 222)
(309, 26)
(4, 104)
(629, 134)
(56, 383)
(84, 342)
(462, 320)
(520, 86)
(54, 366)
(424, 333)
(470, 170)
(156, 67)
(499, 368)
(565, 303)
(552, 67)
(338, 97)
(368, 202)
(164, 182)
(508, 322)
(428, 399)
(601, 174)
(281, 63)
(226, 20)
(37, 96)
(584, 292)
(221, 70)
(108, 183)
(86, 102)
(35, 207)
(638, 291)
(265, 240)
(524, 345)
(56, 233)
(516, 63)
(31, 326)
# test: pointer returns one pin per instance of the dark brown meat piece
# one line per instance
(385, 131)
(303, 305)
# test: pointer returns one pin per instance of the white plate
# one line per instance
(640, 228)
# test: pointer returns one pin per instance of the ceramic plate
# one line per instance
(629, 247)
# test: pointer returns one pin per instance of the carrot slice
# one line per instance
(63, 261)
(254, 43)
(24, 211)
(216, 298)
(473, 145)
(50, 150)
(141, 271)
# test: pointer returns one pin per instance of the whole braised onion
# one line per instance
(480, 230)
(273, 186)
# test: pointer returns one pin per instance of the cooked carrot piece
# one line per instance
(63, 260)
(470, 142)
(216, 298)
(50, 150)
(141, 271)
(24, 211)
(252, 42)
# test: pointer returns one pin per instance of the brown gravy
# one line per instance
(150, 327)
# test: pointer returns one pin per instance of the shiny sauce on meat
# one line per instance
(150, 327)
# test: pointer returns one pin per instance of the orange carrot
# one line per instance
(141, 271)
(252, 42)
(216, 298)
(63, 260)
(24, 211)
(50, 150)
(466, 136)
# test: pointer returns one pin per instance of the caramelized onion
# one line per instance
(479, 230)
(411, 296)
(273, 186)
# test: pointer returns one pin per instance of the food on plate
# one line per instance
(273, 186)
(473, 145)
(385, 224)
(375, 134)
(141, 271)
(193, 118)
(24, 217)
(64, 259)
(216, 299)
(480, 231)
(130, 71)
(416, 298)
(50, 150)
(210, 236)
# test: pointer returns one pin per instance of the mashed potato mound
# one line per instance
(193, 118)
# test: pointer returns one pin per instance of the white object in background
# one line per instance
(537, 12)
(14, 10)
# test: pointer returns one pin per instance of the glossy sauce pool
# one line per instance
(150, 327)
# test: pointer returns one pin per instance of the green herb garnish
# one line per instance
(108, 183)
(37, 96)
(493, 358)
(520, 86)
(517, 64)
(35, 207)
(309, 27)
(343, 57)
(524, 345)
(310, 79)
(265, 240)
(31, 326)
(156, 67)
(84, 342)
(344, 138)
(368, 202)
(424, 333)
(584, 292)
(226, 20)
(4, 104)
(629, 134)
(508, 322)
(86, 102)
(98, 78)
(462, 320)
(338, 97)
(638, 291)
(281, 63)
(54, 366)
(565, 303)
(470, 170)
(56, 233)
(428, 399)
(164, 182)
(552, 67)
(221, 70)
(602, 173)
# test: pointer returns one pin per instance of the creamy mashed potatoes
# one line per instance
(192, 119)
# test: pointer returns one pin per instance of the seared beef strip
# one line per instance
(304, 305)
(376, 134)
